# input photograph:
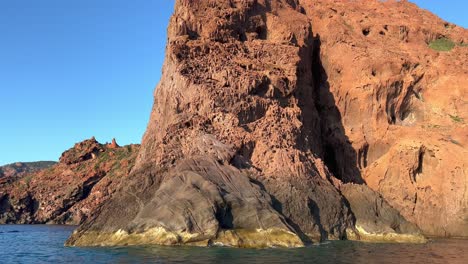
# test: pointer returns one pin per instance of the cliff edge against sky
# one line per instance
(285, 122)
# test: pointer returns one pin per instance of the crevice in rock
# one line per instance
(330, 159)
(362, 156)
(401, 101)
(415, 201)
(419, 169)
(395, 90)
(336, 150)
(392, 115)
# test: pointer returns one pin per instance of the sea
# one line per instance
(45, 244)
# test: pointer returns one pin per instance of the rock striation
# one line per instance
(70, 191)
(285, 122)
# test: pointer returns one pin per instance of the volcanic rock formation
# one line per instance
(271, 115)
(13, 171)
(68, 192)
(113, 144)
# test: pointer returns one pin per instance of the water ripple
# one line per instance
(44, 244)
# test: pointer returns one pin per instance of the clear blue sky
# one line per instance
(73, 69)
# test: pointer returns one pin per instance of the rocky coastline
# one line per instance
(279, 123)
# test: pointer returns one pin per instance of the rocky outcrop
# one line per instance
(227, 157)
(375, 219)
(82, 151)
(271, 117)
(68, 192)
(17, 170)
(113, 144)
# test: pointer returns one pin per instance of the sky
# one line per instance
(70, 70)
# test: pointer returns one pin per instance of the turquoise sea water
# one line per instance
(44, 244)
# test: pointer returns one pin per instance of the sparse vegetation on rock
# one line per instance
(442, 44)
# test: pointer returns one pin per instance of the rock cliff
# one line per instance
(393, 80)
(67, 192)
(285, 122)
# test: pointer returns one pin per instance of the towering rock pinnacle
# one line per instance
(246, 145)
(114, 144)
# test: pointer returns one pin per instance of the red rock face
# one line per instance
(235, 111)
(266, 108)
(401, 105)
(70, 191)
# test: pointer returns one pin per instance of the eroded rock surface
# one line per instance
(267, 110)
(402, 106)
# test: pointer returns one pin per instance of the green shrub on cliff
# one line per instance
(442, 44)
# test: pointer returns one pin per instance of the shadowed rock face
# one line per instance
(263, 110)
